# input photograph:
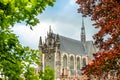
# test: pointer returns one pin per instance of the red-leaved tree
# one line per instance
(106, 15)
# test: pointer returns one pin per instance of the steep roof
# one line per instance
(69, 45)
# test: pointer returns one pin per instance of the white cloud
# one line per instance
(63, 25)
(72, 2)
(30, 37)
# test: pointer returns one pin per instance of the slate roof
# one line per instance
(69, 45)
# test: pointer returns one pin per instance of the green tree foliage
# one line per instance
(16, 60)
(12, 11)
(47, 75)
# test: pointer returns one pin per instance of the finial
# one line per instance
(40, 44)
(58, 37)
(58, 40)
(40, 41)
(50, 29)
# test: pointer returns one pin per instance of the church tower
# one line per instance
(83, 35)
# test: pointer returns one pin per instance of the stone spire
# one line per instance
(50, 31)
(40, 40)
(83, 35)
(57, 40)
(40, 44)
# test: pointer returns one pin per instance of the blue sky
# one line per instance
(64, 20)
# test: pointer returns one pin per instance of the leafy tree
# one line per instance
(105, 14)
(47, 75)
(16, 60)
(13, 11)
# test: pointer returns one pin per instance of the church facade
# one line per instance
(65, 55)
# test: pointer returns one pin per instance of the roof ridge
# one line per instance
(71, 38)
(67, 37)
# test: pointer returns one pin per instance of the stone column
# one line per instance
(55, 62)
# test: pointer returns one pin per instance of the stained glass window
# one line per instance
(84, 62)
(78, 63)
(64, 61)
(71, 62)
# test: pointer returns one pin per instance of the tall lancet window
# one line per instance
(78, 63)
(71, 62)
(84, 62)
(64, 61)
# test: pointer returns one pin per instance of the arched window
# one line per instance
(84, 62)
(64, 61)
(71, 62)
(78, 63)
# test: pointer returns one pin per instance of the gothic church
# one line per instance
(65, 55)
